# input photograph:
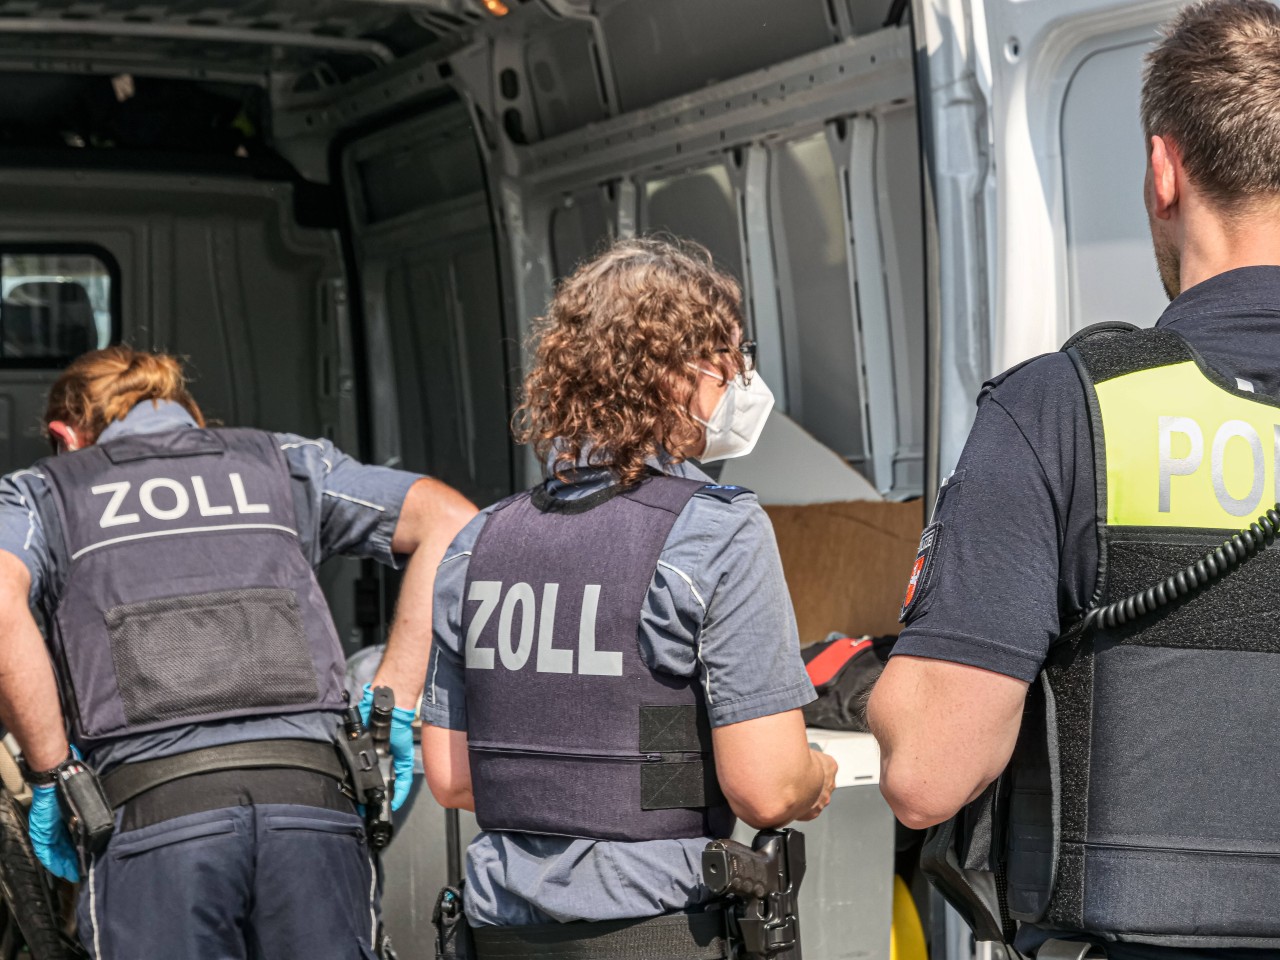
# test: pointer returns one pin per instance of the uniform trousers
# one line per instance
(253, 881)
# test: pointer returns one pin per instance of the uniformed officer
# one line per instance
(1140, 811)
(616, 670)
(173, 566)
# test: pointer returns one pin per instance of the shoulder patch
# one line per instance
(725, 492)
(921, 571)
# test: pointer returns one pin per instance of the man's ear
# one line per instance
(65, 435)
(1166, 174)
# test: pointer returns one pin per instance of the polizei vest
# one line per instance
(187, 597)
(1144, 804)
(569, 731)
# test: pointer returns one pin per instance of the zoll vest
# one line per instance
(570, 732)
(187, 597)
(1144, 803)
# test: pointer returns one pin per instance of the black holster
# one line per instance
(453, 933)
(85, 809)
(761, 884)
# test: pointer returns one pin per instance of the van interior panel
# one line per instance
(347, 215)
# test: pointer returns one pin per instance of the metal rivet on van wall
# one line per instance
(1012, 50)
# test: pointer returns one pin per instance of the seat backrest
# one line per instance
(47, 318)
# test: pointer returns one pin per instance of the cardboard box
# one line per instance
(847, 564)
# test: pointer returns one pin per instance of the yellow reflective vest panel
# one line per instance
(1184, 451)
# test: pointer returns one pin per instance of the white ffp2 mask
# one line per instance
(737, 421)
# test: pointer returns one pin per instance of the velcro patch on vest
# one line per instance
(679, 784)
(918, 585)
(673, 729)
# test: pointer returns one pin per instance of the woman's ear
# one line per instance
(65, 436)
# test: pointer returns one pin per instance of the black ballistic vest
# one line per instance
(569, 731)
(1143, 801)
(187, 597)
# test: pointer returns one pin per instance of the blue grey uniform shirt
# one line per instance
(1020, 553)
(342, 508)
(718, 609)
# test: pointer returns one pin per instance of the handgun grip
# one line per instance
(384, 702)
(730, 868)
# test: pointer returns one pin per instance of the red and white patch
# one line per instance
(920, 570)
(914, 581)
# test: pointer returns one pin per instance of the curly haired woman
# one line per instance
(616, 673)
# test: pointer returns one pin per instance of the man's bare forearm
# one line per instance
(945, 730)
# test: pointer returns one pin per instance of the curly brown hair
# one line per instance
(615, 358)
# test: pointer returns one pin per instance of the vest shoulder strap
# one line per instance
(1104, 328)
(1106, 351)
(1101, 352)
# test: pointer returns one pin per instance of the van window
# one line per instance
(54, 305)
(1109, 261)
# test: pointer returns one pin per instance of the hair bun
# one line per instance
(102, 386)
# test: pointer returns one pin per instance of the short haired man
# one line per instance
(1140, 808)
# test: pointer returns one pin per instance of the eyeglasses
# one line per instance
(748, 350)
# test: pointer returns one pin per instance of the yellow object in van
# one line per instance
(906, 936)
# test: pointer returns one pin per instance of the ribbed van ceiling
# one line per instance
(228, 39)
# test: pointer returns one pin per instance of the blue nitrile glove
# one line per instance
(401, 745)
(49, 836)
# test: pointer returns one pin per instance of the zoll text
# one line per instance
(167, 499)
(518, 615)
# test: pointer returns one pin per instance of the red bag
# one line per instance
(843, 670)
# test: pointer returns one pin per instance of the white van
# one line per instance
(347, 212)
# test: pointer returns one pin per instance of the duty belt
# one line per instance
(134, 779)
(686, 936)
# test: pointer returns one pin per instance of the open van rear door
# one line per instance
(1036, 160)
(435, 344)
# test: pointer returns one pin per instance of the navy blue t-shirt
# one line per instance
(1016, 550)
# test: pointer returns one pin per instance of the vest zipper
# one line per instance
(1148, 848)
(561, 755)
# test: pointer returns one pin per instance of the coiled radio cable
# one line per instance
(1222, 559)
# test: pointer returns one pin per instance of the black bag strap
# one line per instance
(688, 936)
(134, 779)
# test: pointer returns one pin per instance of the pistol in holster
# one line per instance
(761, 885)
(367, 758)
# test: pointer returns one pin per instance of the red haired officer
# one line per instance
(199, 669)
